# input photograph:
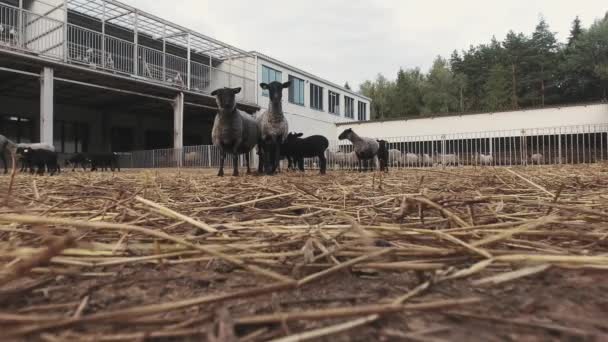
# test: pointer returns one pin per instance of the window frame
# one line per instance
(333, 99)
(318, 91)
(362, 116)
(349, 113)
(292, 92)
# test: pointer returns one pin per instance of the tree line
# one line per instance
(522, 71)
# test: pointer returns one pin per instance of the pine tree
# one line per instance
(497, 89)
(575, 32)
(517, 50)
(544, 59)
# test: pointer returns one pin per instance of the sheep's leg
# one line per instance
(235, 164)
(222, 157)
(323, 163)
(247, 162)
(301, 163)
(277, 157)
(268, 158)
(260, 153)
(3, 156)
(360, 165)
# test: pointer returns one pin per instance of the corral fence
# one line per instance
(541, 146)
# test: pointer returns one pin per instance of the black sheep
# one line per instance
(40, 159)
(103, 161)
(76, 160)
(298, 148)
(383, 155)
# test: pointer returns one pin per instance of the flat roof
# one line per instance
(448, 115)
(307, 74)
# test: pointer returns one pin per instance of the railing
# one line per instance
(33, 33)
(542, 146)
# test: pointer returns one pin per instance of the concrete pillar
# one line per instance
(47, 101)
(178, 121)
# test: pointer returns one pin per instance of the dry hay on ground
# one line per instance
(455, 254)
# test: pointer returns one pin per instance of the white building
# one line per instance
(312, 105)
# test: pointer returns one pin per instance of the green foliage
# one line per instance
(520, 71)
(497, 89)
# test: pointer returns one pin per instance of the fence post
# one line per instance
(209, 155)
(443, 144)
(559, 146)
(523, 148)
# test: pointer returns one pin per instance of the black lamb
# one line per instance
(297, 148)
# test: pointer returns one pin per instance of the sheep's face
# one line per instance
(23, 151)
(346, 134)
(275, 90)
(294, 136)
(226, 98)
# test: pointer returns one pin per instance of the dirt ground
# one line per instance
(462, 254)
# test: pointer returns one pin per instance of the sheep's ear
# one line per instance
(287, 84)
(264, 86)
(214, 93)
(236, 90)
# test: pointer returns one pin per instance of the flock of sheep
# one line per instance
(40, 158)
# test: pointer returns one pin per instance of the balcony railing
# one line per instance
(47, 37)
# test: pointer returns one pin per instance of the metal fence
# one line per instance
(540, 146)
(52, 38)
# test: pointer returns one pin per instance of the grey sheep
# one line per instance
(6, 147)
(366, 149)
(273, 127)
(234, 131)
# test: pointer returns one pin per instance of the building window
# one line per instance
(296, 91)
(270, 75)
(70, 137)
(316, 97)
(362, 111)
(349, 107)
(334, 103)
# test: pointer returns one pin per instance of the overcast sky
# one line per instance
(349, 40)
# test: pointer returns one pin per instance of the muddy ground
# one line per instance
(473, 254)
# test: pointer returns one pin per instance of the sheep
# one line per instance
(103, 161)
(273, 127)
(337, 159)
(40, 158)
(395, 157)
(35, 146)
(484, 160)
(6, 147)
(297, 148)
(446, 159)
(190, 158)
(411, 159)
(366, 149)
(537, 159)
(427, 160)
(76, 160)
(234, 131)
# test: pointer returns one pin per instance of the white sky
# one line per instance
(350, 40)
